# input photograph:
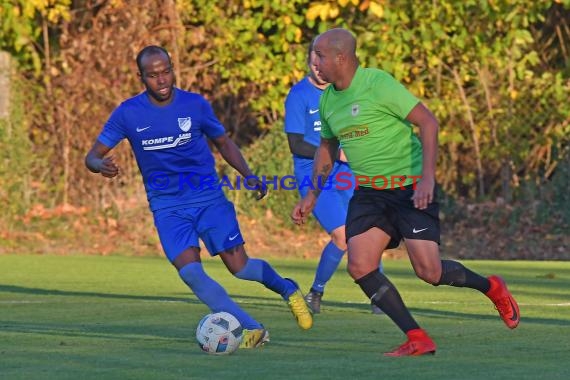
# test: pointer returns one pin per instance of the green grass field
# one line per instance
(86, 317)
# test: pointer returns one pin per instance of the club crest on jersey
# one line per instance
(185, 123)
(355, 109)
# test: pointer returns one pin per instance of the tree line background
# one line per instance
(495, 73)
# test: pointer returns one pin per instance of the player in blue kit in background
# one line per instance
(168, 129)
(303, 129)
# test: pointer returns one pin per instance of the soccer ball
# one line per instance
(219, 333)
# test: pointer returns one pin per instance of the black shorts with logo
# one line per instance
(393, 212)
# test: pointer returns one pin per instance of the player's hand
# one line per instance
(254, 183)
(303, 209)
(108, 167)
(423, 194)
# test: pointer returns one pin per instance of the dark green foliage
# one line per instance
(496, 74)
(269, 157)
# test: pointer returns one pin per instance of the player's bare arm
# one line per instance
(428, 125)
(232, 155)
(322, 166)
(97, 161)
(298, 146)
(324, 160)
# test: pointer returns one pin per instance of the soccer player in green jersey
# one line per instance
(370, 115)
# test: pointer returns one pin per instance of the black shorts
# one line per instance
(393, 212)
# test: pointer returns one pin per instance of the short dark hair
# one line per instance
(310, 49)
(150, 50)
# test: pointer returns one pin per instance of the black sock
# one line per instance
(384, 294)
(454, 273)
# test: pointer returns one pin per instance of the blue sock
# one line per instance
(213, 295)
(330, 258)
(260, 271)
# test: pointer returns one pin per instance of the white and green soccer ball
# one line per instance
(219, 333)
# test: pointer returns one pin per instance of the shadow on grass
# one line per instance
(443, 314)
(457, 315)
(69, 293)
(271, 303)
(103, 330)
(250, 301)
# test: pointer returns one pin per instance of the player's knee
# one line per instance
(430, 276)
(339, 238)
(355, 270)
(235, 259)
(339, 243)
(355, 275)
(188, 256)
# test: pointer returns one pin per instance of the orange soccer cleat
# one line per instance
(504, 302)
(418, 343)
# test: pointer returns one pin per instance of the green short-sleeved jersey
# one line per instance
(368, 119)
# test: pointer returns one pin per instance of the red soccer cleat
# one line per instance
(504, 302)
(418, 343)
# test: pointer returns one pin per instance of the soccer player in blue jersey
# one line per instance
(303, 126)
(168, 129)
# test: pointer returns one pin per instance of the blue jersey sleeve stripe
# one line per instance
(109, 139)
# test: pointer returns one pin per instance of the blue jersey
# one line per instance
(302, 117)
(170, 147)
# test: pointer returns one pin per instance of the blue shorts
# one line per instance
(332, 204)
(215, 224)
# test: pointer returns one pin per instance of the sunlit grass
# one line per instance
(86, 317)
